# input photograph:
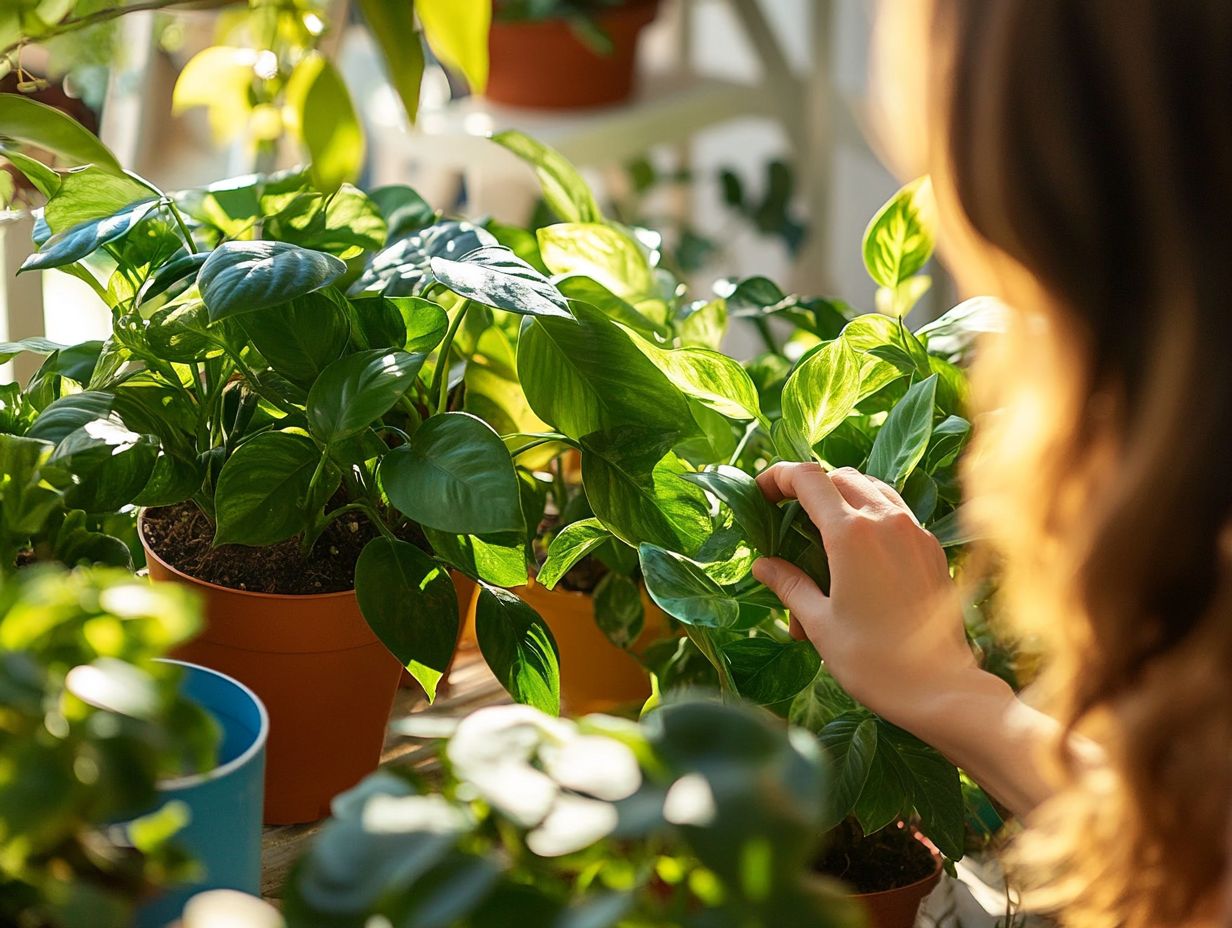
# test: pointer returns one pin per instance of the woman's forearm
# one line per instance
(981, 725)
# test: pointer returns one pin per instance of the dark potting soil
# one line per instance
(887, 860)
(182, 535)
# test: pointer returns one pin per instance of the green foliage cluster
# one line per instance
(704, 815)
(91, 720)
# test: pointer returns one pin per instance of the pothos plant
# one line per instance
(702, 815)
(91, 722)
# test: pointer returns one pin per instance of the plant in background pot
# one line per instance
(565, 54)
(92, 722)
(702, 815)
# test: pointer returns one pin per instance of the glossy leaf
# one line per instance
(27, 120)
(355, 391)
(102, 465)
(402, 268)
(899, 240)
(328, 124)
(456, 476)
(241, 277)
(425, 322)
(903, 438)
(681, 589)
(34, 345)
(409, 601)
(601, 252)
(565, 192)
(766, 671)
(302, 337)
(851, 742)
(818, 396)
(494, 276)
(570, 545)
(584, 375)
(708, 377)
(586, 290)
(91, 193)
(496, 559)
(262, 496)
(519, 648)
(633, 482)
(753, 513)
(85, 238)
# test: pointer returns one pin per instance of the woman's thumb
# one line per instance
(794, 588)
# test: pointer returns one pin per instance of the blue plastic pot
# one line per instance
(226, 803)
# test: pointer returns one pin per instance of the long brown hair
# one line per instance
(1082, 155)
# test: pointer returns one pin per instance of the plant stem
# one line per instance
(440, 377)
(749, 432)
(763, 329)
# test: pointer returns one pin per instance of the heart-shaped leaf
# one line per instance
(495, 276)
(899, 240)
(570, 545)
(262, 496)
(85, 238)
(564, 190)
(241, 277)
(766, 671)
(455, 475)
(355, 391)
(402, 269)
(682, 589)
(709, 377)
(329, 126)
(519, 648)
(598, 251)
(818, 396)
(302, 337)
(618, 609)
(410, 603)
(496, 559)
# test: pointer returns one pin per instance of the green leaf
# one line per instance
(598, 251)
(753, 513)
(34, 345)
(302, 337)
(586, 290)
(570, 545)
(565, 192)
(818, 396)
(425, 321)
(169, 275)
(457, 30)
(45, 180)
(900, 238)
(496, 559)
(767, 671)
(403, 267)
(90, 193)
(456, 476)
(851, 742)
(932, 786)
(519, 648)
(262, 496)
(34, 123)
(355, 391)
(85, 238)
(633, 482)
(26, 499)
(241, 277)
(709, 377)
(328, 124)
(618, 609)
(405, 211)
(102, 465)
(494, 276)
(682, 589)
(903, 438)
(410, 603)
(392, 24)
(181, 332)
(950, 530)
(585, 375)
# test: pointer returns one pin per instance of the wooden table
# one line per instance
(471, 685)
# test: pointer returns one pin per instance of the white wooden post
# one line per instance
(21, 297)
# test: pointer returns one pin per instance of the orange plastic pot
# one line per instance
(326, 680)
(595, 675)
(898, 908)
(544, 65)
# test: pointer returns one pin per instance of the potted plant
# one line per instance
(95, 730)
(294, 426)
(564, 54)
(704, 814)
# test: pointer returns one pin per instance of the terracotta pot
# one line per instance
(544, 65)
(595, 675)
(898, 908)
(326, 680)
(464, 587)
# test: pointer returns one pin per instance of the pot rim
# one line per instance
(932, 878)
(257, 594)
(244, 758)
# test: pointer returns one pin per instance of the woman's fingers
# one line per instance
(795, 590)
(894, 497)
(809, 484)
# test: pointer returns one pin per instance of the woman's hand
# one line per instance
(891, 630)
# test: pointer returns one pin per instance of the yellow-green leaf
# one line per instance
(220, 79)
(328, 126)
(457, 30)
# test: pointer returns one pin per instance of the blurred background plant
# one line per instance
(90, 721)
